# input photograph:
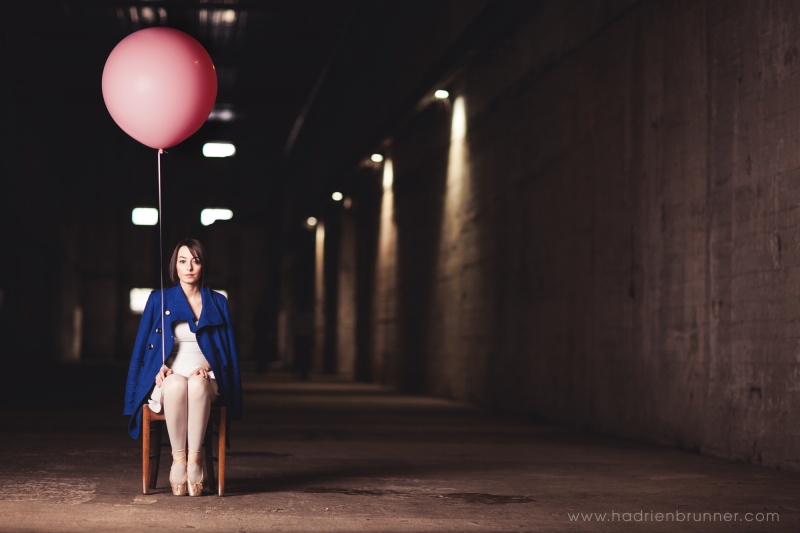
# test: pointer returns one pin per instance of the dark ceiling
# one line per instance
(269, 58)
(268, 55)
(342, 73)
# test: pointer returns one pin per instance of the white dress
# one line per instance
(185, 357)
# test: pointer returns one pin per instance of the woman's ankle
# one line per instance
(194, 467)
(178, 470)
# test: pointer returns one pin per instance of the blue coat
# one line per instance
(214, 333)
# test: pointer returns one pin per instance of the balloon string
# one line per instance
(161, 255)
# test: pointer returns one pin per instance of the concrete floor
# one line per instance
(330, 456)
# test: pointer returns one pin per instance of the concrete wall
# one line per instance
(346, 346)
(611, 240)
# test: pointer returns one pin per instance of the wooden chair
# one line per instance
(152, 429)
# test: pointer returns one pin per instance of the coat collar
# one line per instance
(179, 309)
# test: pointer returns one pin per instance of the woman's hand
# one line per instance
(201, 371)
(162, 375)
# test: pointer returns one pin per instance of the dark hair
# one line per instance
(197, 250)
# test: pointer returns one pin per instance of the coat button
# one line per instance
(158, 330)
(166, 312)
(149, 347)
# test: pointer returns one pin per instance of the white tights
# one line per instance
(187, 403)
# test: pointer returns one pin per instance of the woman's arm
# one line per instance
(232, 368)
(137, 357)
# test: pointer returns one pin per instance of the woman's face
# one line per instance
(188, 267)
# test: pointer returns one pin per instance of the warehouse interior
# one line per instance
(570, 214)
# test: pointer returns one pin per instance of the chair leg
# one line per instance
(145, 450)
(151, 449)
(223, 428)
(156, 438)
(208, 463)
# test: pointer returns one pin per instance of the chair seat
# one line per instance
(152, 424)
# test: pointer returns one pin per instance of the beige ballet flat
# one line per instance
(178, 489)
(195, 489)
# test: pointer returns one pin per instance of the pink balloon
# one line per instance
(159, 85)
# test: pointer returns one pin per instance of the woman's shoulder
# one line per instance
(216, 294)
(218, 297)
(220, 305)
(169, 293)
(166, 290)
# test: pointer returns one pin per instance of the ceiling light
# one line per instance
(221, 114)
(229, 16)
(337, 196)
(144, 216)
(148, 15)
(211, 215)
(441, 94)
(311, 222)
(376, 158)
(219, 149)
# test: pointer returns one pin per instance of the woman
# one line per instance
(201, 366)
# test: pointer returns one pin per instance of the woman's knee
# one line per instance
(173, 384)
(199, 386)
